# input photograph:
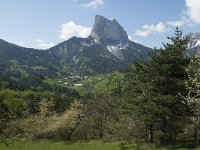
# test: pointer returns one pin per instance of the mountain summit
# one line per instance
(108, 30)
(107, 49)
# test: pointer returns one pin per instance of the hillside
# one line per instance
(106, 50)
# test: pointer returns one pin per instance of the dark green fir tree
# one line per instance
(160, 87)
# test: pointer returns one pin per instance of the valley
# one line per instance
(102, 91)
(83, 84)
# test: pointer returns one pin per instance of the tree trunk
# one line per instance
(71, 132)
(196, 134)
(150, 133)
(163, 129)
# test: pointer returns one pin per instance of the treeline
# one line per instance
(34, 83)
(157, 101)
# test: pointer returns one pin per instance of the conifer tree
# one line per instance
(161, 82)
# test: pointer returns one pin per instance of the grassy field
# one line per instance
(46, 145)
(94, 83)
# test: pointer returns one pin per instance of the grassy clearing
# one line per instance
(91, 83)
(47, 145)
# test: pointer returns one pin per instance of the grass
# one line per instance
(94, 83)
(47, 145)
(39, 68)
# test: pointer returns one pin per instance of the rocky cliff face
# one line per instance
(106, 30)
(195, 40)
(193, 44)
(107, 49)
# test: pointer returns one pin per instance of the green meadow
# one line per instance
(49, 145)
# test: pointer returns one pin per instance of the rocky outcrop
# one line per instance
(107, 30)
(107, 49)
(194, 40)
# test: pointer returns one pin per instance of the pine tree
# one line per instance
(169, 83)
(161, 84)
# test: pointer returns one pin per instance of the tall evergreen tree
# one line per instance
(161, 81)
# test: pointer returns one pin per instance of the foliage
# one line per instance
(65, 124)
(193, 96)
(154, 102)
(4, 117)
(116, 84)
(48, 124)
(101, 113)
(159, 83)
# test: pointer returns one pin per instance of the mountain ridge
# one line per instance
(194, 43)
(105, 50)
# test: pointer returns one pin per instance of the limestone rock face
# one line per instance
(194, 41)
(106, 50)
(106, 30)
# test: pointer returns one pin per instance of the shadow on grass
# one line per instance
(185, 146)
(126, 146)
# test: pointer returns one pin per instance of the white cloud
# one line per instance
(42, 45)
(94, 4)
(179, 23)
(71, 29)
(142, 33)
(149, 29)
(191, 15)
(193, 10)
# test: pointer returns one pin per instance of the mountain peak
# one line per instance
(108, 30)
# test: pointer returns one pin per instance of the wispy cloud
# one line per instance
(94, 4)
(179, 23)
(71, 29)
(190, 16)
(43, 45)
(193, 8)
(150, 29)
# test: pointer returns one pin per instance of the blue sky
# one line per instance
(44, 23)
